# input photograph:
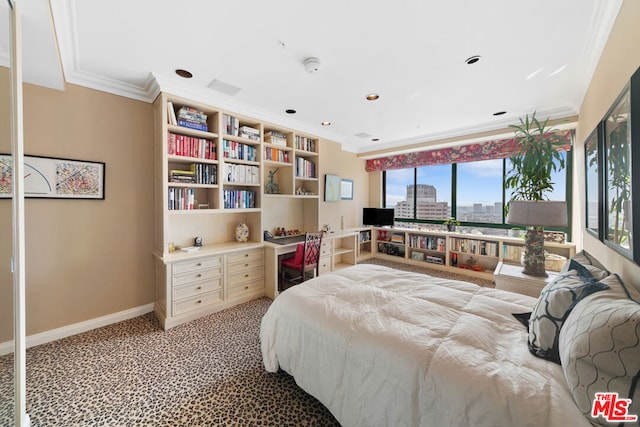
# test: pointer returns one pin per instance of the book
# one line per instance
(192, 125)
(171, 113)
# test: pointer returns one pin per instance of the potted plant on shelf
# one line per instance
(451, 224)
(531, 181)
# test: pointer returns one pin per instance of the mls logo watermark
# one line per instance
(613, 409)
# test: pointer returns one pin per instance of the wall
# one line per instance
(84, 258)
(619, 60)
(347, 166)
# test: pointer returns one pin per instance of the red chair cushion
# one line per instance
(296, 261)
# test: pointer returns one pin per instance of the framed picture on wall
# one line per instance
(331, 188)
(54, 178)
(346, 189)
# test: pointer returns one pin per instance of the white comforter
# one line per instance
(383, 347)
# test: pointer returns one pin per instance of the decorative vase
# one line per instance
(242, 232)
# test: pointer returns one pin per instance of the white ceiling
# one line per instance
(535, 56)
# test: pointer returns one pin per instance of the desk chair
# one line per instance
(304, 263)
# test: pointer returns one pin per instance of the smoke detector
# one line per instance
(312, 65)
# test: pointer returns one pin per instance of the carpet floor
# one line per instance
(207, 372)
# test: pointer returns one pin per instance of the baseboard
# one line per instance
(76, 328)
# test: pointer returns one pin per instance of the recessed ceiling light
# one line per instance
(184, 73)
(326, 123)
(372, 97)
(290, 111)
(499, 113)
(375, 139)
(472, 59)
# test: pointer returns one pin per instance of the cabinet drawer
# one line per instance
(197, 264)
(197, 288)
(194, 303)
(245, 265)
(325, 265)
(197, 275)
(245, 255)
(245, 276)
(247, 287)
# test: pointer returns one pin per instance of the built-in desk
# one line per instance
(338, 250)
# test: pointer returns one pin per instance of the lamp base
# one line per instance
(534, 252)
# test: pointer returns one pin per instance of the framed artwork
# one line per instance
(331, 188)
(617, 152)
(346, 189)
(54, 178)
(592, 182)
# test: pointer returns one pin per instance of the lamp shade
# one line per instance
(546, 213)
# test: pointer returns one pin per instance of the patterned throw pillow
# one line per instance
(586, 266)
(556, 301)
(600, 348)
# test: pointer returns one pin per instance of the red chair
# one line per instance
(304, 263)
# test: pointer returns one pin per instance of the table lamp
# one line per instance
(535, 215)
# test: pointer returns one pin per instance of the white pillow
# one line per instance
(599, 348)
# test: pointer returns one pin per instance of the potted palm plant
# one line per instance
(530, 178)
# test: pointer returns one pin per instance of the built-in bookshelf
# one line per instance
(475, 255)
(305, 166)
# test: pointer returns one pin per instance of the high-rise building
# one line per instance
(425, 203)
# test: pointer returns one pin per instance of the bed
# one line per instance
(384, 347)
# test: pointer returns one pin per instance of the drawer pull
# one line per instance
(199, 264)
(199, 301)
(246, 255)
(246, 275)
(246, 265)
(246, 287)
(198, 275)
(198, 288)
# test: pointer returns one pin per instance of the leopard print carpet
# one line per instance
(208, 372)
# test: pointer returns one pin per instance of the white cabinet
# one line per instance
(191, 285)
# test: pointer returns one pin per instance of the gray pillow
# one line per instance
(599, 348)
(586, 265)
(554, 304)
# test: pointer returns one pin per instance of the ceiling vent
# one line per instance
(223, 87)
(362, 135)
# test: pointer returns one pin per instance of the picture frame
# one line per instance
(346, 189)
(331, 188)
(55, 178)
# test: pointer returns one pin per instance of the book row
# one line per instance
(198, 173)
(239, 199)
(243, 174)
(276, 155)
(304, 143)
(305, 168)
(431, 243)
(181, 199)
(231, 126)
(473, 246)
(189, 146)
(275, 138)
(512, 253)
(239, 151)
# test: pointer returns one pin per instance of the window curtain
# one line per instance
(488, 150)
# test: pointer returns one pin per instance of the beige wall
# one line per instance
(619, 60)
(347, 166)
(84, 258)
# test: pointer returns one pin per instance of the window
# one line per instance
(476, 199)
(432, 192)
(479, 191)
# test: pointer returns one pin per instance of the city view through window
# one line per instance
(425, 193)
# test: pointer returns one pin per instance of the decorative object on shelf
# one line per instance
(242, 232)
(530, 179)
(451, 224)
(197, 241)
(331, 188)
(272, 187)
(418, 256)
(454, 259)
(346, 189)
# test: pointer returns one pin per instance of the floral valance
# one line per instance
(488, 150)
